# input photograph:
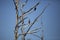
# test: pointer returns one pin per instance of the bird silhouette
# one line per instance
(35, 9)
(29, 21)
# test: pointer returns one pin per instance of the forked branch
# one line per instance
(31, 8)
(36, 19)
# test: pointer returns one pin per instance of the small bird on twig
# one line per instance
(35, 9)
(29, 21)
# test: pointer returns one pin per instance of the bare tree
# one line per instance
(20, 20)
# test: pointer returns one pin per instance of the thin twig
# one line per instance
(36, 29)
(31, 32)
(36, 35)
(31, 8)
(21, 20)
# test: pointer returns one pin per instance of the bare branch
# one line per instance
(28, 33)
(36, 35)
(22, 20)
(20, 35)
(16, 4)
(31, 8)
(19, 23)
(31, 32)
(36, 19)
(16, 28)
(36, 29)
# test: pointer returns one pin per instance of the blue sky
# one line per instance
(50, 19)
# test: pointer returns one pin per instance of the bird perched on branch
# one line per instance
(29, 21)
(35, 9)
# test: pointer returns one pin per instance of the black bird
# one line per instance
(35, 9)
(29, 21)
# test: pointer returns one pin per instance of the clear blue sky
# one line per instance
(50, 18)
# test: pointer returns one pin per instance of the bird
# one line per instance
(35, 9)
(29, 21)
